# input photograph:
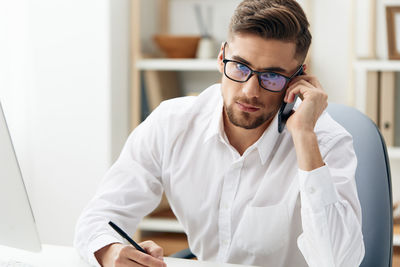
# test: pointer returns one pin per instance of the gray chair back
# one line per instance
(373, 184)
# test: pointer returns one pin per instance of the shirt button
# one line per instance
(311, 190)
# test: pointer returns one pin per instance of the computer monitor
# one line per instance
(17, 224)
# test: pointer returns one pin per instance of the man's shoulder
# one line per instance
(329, 131)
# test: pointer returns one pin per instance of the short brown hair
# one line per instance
(282, 20)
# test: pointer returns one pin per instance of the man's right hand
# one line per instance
(120, 255)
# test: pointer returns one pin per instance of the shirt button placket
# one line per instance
(231, 180)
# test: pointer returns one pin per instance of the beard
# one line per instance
(247, 120)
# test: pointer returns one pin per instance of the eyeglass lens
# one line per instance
(269, 80)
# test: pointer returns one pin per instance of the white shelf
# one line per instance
(161, 225)
(396, 240)
(177, 64)
(377, 65)
(394, 152)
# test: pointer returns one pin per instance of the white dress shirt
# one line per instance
(254, 209)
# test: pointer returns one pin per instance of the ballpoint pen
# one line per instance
(125, 235)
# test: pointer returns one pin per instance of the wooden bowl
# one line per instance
(177, 46)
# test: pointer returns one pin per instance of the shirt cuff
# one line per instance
(98, 243)
(317, 189)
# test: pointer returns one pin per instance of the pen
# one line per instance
(125, 235)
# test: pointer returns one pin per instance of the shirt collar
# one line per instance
(216, 126)
(265, 144)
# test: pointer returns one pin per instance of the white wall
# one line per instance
(62, 82)
(331, 50)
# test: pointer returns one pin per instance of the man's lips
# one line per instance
(246, 107)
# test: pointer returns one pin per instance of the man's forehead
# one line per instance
(261, 53)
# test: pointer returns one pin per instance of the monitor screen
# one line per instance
(17, 224)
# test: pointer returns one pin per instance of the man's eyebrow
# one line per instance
(274, 69)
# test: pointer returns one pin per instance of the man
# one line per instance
(243, 192)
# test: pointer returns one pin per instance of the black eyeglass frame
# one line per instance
(258, 73)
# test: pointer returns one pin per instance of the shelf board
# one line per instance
(177, 64)
(396, 235)
(394, 152)
(377, 65)
(396, 240)
(161, 225)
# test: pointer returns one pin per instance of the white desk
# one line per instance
(60, 256)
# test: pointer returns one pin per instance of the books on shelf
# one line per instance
(372, 96)
(380, 102)
(160, 85)
(377, 86)
(387, 106)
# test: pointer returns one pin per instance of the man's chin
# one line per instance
(246, 121)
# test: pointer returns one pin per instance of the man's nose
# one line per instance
(252, 88)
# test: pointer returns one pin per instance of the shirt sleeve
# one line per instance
(330, 209)
(130, 190)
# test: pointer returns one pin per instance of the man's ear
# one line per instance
(220, 58)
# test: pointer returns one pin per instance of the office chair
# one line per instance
(373, 184)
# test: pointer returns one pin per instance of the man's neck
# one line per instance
(241, 138)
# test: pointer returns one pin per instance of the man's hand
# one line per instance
(120, 255)
(302, 122)
(314, 103)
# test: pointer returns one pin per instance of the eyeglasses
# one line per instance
(268, 80)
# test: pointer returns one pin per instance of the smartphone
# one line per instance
(286, 110)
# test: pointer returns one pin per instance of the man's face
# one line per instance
(248, 105)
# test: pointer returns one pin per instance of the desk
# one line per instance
(61, 256)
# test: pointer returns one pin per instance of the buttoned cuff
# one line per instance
(98, 243)
(317, 189)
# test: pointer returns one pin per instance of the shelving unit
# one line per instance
(378, 65)
(177, 64)
(366, 72)
(157, 225)
(361, 69)
(394, 152)
(161, 225)
(375, 91)
(396, 235)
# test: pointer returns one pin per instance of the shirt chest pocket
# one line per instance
(263, 229)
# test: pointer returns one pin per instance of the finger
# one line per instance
(153, 249)
(315, 94)
(142, 258)
(301, 82)
(297, 90)
(289, 96)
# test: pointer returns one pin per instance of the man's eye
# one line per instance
(270, 75)
(242, 67)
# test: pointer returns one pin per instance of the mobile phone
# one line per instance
(286, 110)
(284, 113)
